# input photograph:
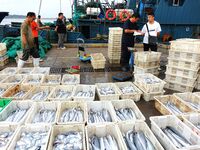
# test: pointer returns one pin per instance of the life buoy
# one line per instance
(124, 15)
(110, 11)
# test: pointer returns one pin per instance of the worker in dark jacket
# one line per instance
(130, 26)
(61, 30)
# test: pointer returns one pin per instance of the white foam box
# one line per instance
(140, 126)
(69, 105)
(188, 98)
(154, 87)
(41, 70)
(10, 93)
(98, 106)
(147, 56)
(8, 128)
(84, 88)
(14, 79)
(109, 97)
(105, 130)
(25, 71)
(47, 78)
(27, 80)
(160, 105)
(13, 106)
(66, 88)
(160, 122)
(38, 89)
(128, 103)
(9, 71)
(67, 77)
(30, 129)
(135, 96)
(63, 129)
(42, 106)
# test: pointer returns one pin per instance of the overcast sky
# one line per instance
(50, 8)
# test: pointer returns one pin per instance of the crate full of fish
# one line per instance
(51, 80)
(192, 121)
(17, 92)
(104, 137)
(137, 135)
(170, 104)
(31, 137)
(62, 93)
(147, 56)
(197, 94)
(33, 80)
(107, 91)
(43, 113)
(190, 99)
(4, 103)
(25, 71)
(41, 70)
(72, 112)
(180, 79)
(173, 134)
(39, 93)
(70, 137)
(128, 91)
(127, 110)
(15, 113)
(14, 79)
(98, 61)
(70, 79)
(100, 112)
(4, 88)
(7, 133)
(152, 70)
(3, 77)
(84, 93)
(149, 83)
(178, 87)
(144, 65)
(9, 71)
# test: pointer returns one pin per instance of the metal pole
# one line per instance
(60, 5)
(40, 7)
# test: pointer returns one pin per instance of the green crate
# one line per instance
(4, 103)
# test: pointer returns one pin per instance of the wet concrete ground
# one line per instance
(65, 58)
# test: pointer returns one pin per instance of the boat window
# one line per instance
(176, 2)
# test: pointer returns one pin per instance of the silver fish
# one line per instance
(2, 91)
(52, 81)
(45, 116)
(69, 141)
(127, 89)
(85, 94)
(20, 94)
(193, 104)
(16, 115)
(99, 116)
(32, 141)
(40, 95)
(173, 108)
(60, 94)
(150, 80)
(34, 80)
(72, 115)
(70, 80)
(176, 138)
(107, 91)
(15, 80)
(4, 139)
(125, 114)
(103, 143)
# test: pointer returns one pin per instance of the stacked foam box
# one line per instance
(3, 56)
(147, 62)
(114, 45)
(183, 65)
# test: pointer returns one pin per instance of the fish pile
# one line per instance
(4, 139)
(52, 81)
(70, 141)
(103, 143)
(34, 81)
(32, 141)
(40, 95)
(137, 141)
(125, 114)
(72, 115)
(16, 115)
(99, 116)
(2, 91)
(127, 89)
(60, 94)
(15, 81)
(173, 108)
(70, 80)
(149, 80)
(176, 138)
(107, 91)
(10, 71)
(45, 116)
(19, 94)
(85, 94)
(194, 105)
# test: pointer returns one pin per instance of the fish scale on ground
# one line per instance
(45, 116)
(5, 138)
(125, 114)
(99, 116)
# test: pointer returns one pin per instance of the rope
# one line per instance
(40, 7)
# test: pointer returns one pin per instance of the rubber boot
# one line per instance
(36, 62)
(20, 63)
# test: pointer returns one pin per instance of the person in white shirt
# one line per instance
(153, 29)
